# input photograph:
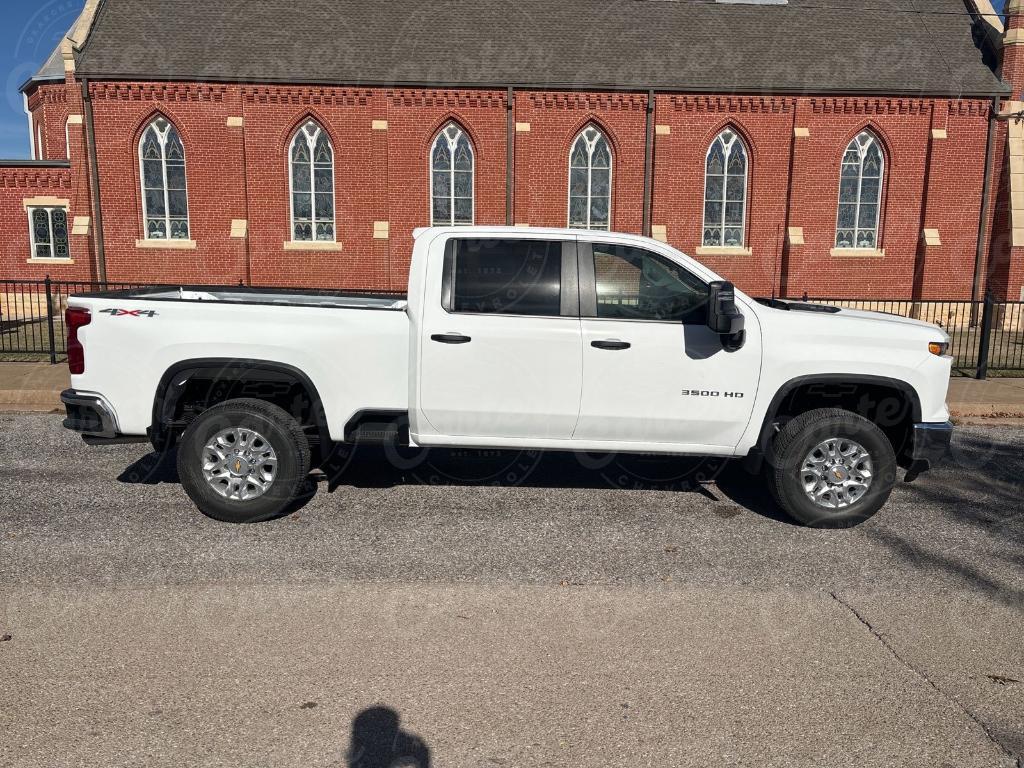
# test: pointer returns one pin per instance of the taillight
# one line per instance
(75, 319)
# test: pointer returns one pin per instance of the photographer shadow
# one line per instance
(378, 741)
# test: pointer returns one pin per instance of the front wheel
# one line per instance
(243, 461)
(831, 468)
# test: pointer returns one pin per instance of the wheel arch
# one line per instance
(840, 390)
(179, 380)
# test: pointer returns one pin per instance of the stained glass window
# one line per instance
(451, 178)
(860, 190)
(164, 190)
(725, 191)
(49, 233)
(590, 181)
(311, 166)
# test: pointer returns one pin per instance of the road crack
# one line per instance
(928, 681)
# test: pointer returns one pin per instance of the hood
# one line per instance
(824, 312)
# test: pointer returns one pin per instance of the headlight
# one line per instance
(939, 348)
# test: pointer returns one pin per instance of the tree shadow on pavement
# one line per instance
(980, 487)
(378, 741)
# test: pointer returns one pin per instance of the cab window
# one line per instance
(636, 284)
(506, 277)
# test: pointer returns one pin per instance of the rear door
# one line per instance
(653, 372)
(500, 348)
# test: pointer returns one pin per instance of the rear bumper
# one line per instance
(89, 414)
(930, 445)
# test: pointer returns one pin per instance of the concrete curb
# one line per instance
(30, 402)
(23, 408)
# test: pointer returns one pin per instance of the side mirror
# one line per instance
(723, 317)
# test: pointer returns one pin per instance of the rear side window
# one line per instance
(506, 277)
(634, 284)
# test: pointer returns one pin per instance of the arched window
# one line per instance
(725, 191)
(312, 184)
(164, 191)
(451, 168)
(860, 193)
(590, 180)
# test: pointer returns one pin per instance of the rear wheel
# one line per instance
(831, 468)
(243, 461)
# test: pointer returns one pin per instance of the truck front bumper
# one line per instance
(930, 446)
(89, 414)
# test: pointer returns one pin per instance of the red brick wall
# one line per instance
(383, 175)
(402, 181)
(214, 176)
(1005, 267)
(542, 154)
(16, 185)
(766, 127)
(49, 108)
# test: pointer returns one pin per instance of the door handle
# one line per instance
(451, 338)
(613, 344)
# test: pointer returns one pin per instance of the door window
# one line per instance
(506, 277)
(635, 284)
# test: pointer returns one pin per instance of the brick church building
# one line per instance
(837, 147)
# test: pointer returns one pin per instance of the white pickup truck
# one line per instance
(512, 338)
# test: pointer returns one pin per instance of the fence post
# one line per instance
(986, 335)
(49, 319)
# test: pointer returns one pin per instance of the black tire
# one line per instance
(795, 442)
(282, 432)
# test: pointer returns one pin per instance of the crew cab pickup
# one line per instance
(512, 338)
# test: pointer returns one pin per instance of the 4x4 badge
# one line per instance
(128, 312)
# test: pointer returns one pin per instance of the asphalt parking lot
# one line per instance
(505, 609)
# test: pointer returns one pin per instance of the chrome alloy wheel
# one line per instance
(239, 464)
(836, 473)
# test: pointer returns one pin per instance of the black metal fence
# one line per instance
(32, 316)
(987, 337)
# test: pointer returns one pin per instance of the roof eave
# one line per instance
(23, 88)
(1002, 90)
(35, 163)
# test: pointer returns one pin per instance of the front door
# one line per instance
(653, 372)
(501, 349)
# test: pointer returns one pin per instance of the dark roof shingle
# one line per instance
(807, 46)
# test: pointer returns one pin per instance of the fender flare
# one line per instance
(172, 387)
(832, 380)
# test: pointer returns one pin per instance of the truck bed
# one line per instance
(238, 294)
(355, 358)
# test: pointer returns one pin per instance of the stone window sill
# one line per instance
(723, 250)
(167, 245)
(311, 245)
(859, 253)
(53, 260)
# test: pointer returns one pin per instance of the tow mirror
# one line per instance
(723, 316)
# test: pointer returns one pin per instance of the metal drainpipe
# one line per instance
(648, 165)
(986, 198)
(245, 192)
(510, 155)
(94, 182)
